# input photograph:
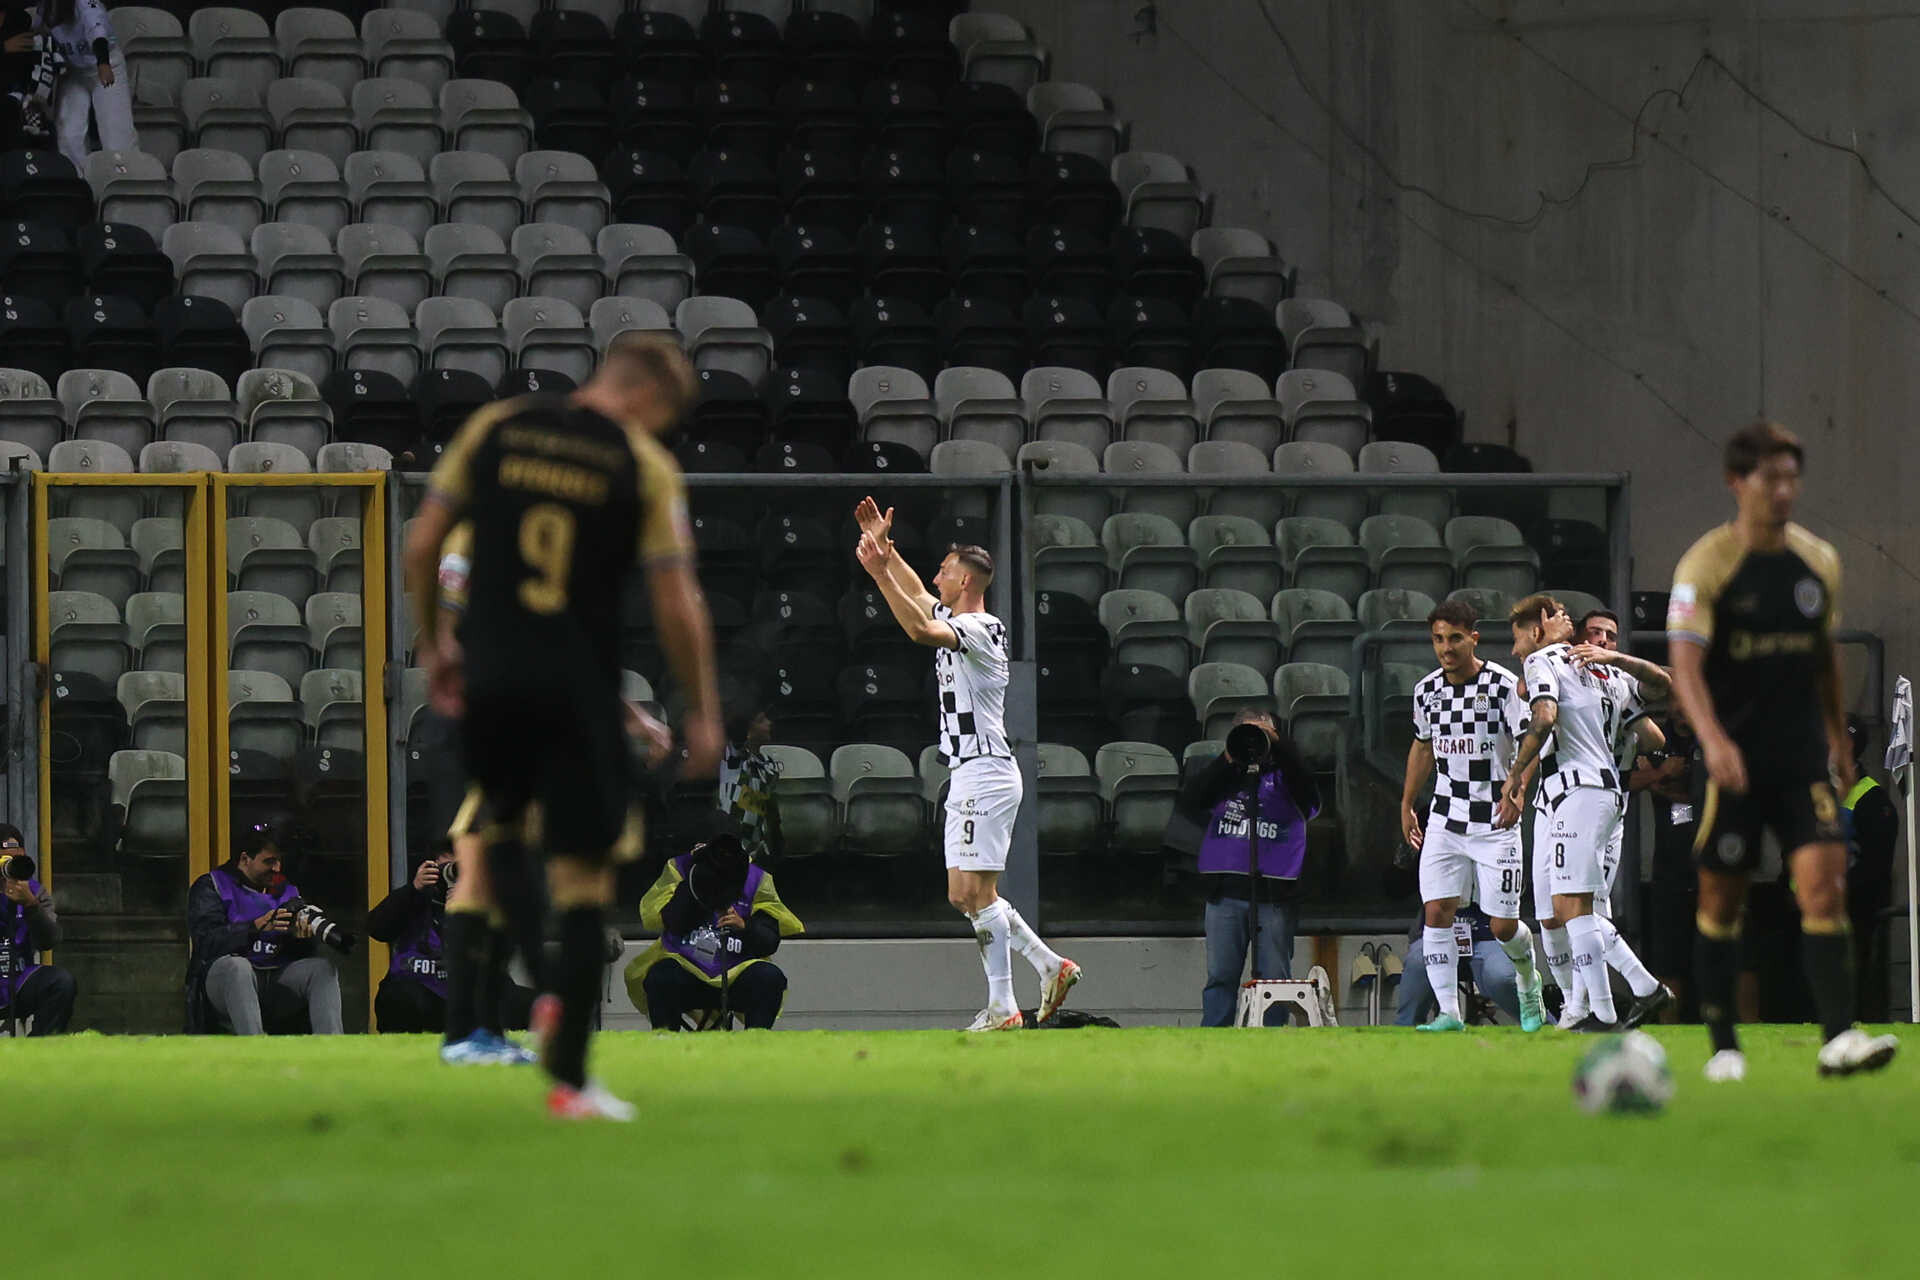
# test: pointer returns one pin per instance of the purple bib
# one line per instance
(16, 948)
(417, 954)
(245, 904)
(1280, 833)
(701, 948)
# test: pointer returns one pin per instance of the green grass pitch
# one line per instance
(924, 1154)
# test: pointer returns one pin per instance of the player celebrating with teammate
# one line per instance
(1463, 727)
(983, 797)
(1750, 623)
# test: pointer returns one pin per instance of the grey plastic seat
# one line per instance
(312, 115)
(611, 317)
(1312, 703)
(1315, 626)
(29, 414)
(393, 114)
(475, 187)
(1068, 807)
(895, 406)
(1401, 618)
(980, 405)
(375, 334)
(88, 457)
(1321, 335)
(298, 506)
(1234, 458)
(158, 54)
(558, 261)
(288, 333)
(1224, 625)
(461, 333)
(562, 187)
(1491, 554)
(1322, 554)
(298, 261)
(1296, 315)
(1305, 461)
(176, 457)
(265, 634)
(227, 116)
(1234, 405)
(1399, 458)
(283, 407)
(332, 704)
(641, 261)
(391, 187)
(1241, 263)
(406, 45)
(1220, 691)
(320, 44)
(148, 793)
(1127, 458)
(997, 49)
(1159, 192)
(1149, 552)
(88, 555)
(1153, 405)
(723, 334)
(160, 542)
(305, 187)
(1075, 119)
(1069, 406)
(384, 261)
(968, 458)
(1144, 627)
(879, 795)
(1577, 603)
(211, 260)
(1407, 553)
(262, 714)
(413, 702)
(485, 116)
(135, 188)
(1489, 605)
(1139, 784)
(264, 554)
(195, 405)
(157, 625)
(1067, 557)
(809, 815)
(1322, 405)
(1088, 502)
(17, 456)
(335, 543)
(234, 43)
(549, 333)
(347, 456)
(88, 638)
(117, 505)
(156, 706)
(472, 262)
(1235, 553)
(105, 404)
(934, 776)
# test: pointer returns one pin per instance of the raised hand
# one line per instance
(874, 555)
(867, 516)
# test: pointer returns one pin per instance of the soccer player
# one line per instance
(983, 797)
(1750, 623)
(565, 493)
(1463, 727)
(1577, 800)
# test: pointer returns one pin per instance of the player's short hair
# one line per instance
(976, 560)
(1456, 613)
(1534, 610)
(1754, 443)
(1591, 614)
(636, 357)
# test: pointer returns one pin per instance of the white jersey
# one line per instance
(1471, 730)
(973, 688)
(1594, 703)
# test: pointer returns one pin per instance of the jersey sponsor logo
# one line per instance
(1810, 597)
(1743, 646)
(1462, 746)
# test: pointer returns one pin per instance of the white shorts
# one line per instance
(1570, 844)
(1487, 867)
(983, 799)
(1610, 865)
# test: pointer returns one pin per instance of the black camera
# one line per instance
(321, 925)
(718, 872)
(17, 866)
(449, 875)
(1248, 745)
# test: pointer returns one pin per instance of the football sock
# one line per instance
(1590, 965)
(990, 929)
(490, 983)
(1443, 968)
(1826, 952)
(1716, 966)
(577, 982)
(1022, 938)
(1559, 959)
(1519, 949)
(1625, 962)
(518, 891)
(463, 947)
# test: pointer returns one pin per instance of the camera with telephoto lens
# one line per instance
(323, 928)
(449, 874)
(1248, 745)
(718, 872)
(16, 866)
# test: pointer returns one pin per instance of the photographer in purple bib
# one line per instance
(255, 964)
(1262, 762)
(413, 995)
(29, 990)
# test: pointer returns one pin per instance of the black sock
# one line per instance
(491, 980)
(583, 956)
(517, 891)
(463, 947)
(1716, 966)
(1828, 960)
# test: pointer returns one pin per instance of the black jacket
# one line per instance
(1219, 779)
(212, 937)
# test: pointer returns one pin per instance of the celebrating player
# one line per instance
(564, 492)
(1463, 727)
(984, 796)
(1750, 622)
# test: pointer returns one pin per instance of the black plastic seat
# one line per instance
(1238, 333)
(885, 703)
(38, 259)
(981, 331)
(903, 260)
(446, 398)
(737, 115)
(1066, 331)
(809, 405)
(656, 114)
(45, 187)
(815, 260)
(988, 187)
(987, 262)
(728, 557)
(490, 45)
(827, 47)
(1409, 407)
(1074, 191)
(892, 330)
(571, 45)
(820, 185)
(901, 184)
(202, 333)
(111, 332)
(912, 45)
(374, 408)
(1152, 262)
(1069, 261)
(729, 413)
(731, 262)
(992, 117)
(798, 549)
(809, 333)
(118, 257)
(882, 458)
(819, 111)
(905, 113)
(745, 47)
(661, 46)
(532, 382)
(33, 337)
(1149, 704)
(570, 114)
(734, 189)
(648, 187)
(1154, 332)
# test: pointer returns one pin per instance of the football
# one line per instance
(1624, 1073)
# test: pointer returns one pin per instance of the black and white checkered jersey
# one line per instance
(1594, 705)
(1471, 728)
(973, 688)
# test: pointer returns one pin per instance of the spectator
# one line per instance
(253, 957)
(720, 920)
(24, 119)
(1492, 970)
(1288, 796)
(42, 992)
(90, 79)
(413, 995)
(747, 778)
(1872, 824)
(1673, 890)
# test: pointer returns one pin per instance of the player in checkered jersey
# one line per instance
(1463, 728)
(983, 796)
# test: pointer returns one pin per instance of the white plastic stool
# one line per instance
(1313, 997)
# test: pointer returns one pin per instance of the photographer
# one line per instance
(28, 925)
(1286, 796)
(253, 957)
(1489, 965)
(720, 919)
(413, 995)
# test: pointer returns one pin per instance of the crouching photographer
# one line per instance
(413, 995)
(720, 920)
(42, 992)
(255, 962)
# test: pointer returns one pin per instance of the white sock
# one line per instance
(1559, 959)
(1443, 968)
(990, 931)
(1519, 949)
(1590, 965)
(1627, 964)
(1022, 938)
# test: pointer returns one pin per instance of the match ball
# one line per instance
(1624, 1074)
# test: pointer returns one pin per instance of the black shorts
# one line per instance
(1799, 811)
(555, 766)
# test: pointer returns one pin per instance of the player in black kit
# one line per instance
(1754, 607)
(564, 494)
